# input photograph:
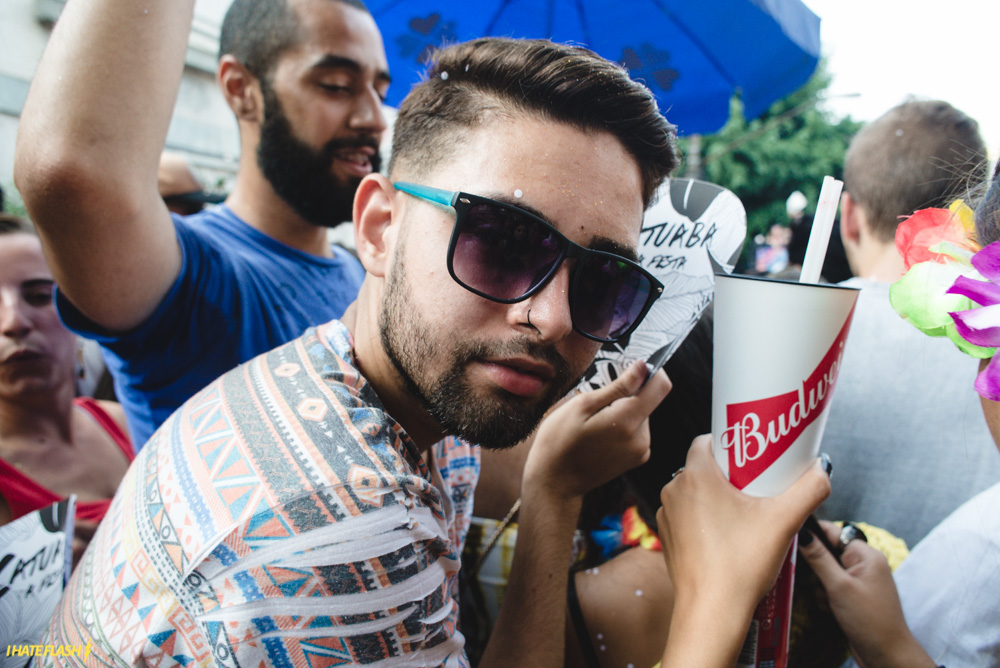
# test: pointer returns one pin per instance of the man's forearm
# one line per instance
(585, 442)
(530, 630)
(705, 635)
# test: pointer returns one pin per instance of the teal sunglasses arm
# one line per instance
(445, 197)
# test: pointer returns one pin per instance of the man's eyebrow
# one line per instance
(332, 61)
(514, 202)
(611, 246)
(598, 243)
(38, 282)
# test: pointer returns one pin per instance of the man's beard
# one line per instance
(496, 421)
(302, 176)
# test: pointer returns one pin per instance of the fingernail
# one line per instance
(805, 537)
(827, 465)
(639, 371)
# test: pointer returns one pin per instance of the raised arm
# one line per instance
(723, 549)
(585, 442)
(90, 136)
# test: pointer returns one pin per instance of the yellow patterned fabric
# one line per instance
(893, 548)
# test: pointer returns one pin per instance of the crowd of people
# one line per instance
(376, 457)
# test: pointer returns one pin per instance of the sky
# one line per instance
(886, 50)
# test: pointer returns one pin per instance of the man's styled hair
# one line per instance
(257, 32)
(471, 82)
(920, 154)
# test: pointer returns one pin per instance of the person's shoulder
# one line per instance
(222, 229)
(870, 289)
(873, 298)
(212, 223)
(313, 365)
(948, 584)
(979, 516)
(855, 282)
(975, 526)
(115, 412)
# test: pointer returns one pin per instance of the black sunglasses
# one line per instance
(506, 254)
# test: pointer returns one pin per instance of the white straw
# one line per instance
(819, 237)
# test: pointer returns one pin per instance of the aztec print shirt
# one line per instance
(280, 518)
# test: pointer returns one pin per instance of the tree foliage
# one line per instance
(791, 147)
(10, 201)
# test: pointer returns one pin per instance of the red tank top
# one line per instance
(24, 495)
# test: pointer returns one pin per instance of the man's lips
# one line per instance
(23, 355)
(523, 377)
(356, 160)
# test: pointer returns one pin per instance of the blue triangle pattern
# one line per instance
(291, 587)
(234, 457)
(320, 623)
(259, 518)
(213, 629)
(236, 507)
(159, 638)
(212, 455)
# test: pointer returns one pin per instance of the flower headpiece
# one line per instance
(947, 275)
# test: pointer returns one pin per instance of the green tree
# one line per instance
(791, 147)
(12, 201)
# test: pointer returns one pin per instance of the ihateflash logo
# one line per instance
(82, 652)
(758, 432)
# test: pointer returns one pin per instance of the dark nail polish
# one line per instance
(805, 537)
(826, 464)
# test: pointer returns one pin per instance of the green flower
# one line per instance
(921, 298)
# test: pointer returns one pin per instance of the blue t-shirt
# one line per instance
(239, 293)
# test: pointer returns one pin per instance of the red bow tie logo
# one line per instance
(758, 432)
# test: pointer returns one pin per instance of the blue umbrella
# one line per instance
(693, 54)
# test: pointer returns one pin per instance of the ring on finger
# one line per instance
(851, 532)
(676, 473)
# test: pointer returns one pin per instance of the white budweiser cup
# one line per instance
(778, 348)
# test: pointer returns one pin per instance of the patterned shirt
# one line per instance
(280, 518)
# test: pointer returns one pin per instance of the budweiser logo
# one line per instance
(758, 432)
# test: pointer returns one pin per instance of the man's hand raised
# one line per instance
(596, 436)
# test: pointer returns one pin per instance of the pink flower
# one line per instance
(926, 228)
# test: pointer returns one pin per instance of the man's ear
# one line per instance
(241, 90)
(373, 229)
(850, 220)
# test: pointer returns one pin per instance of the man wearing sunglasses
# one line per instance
(310, 506)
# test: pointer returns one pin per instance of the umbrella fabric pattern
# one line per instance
(693, 54)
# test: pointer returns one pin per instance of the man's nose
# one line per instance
(547, 311)
(367, 112)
